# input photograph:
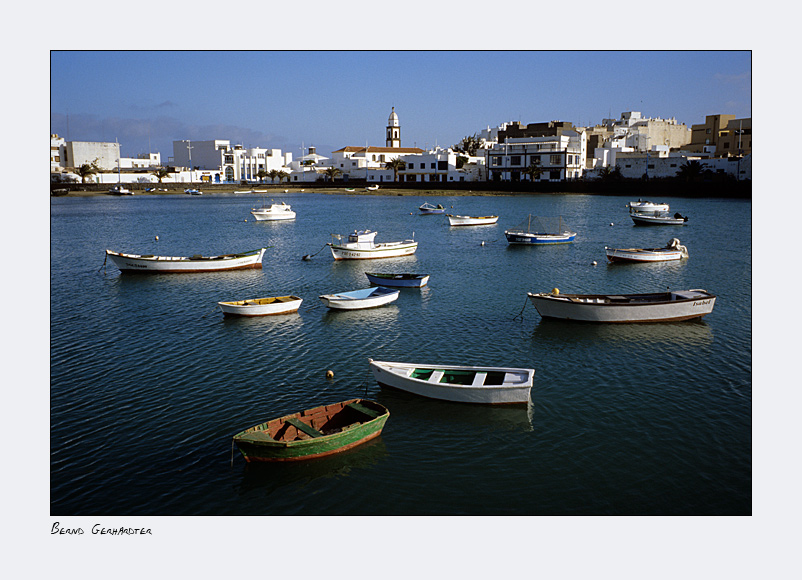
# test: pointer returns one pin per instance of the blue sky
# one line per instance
(331, 99)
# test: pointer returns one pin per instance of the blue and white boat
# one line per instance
(428, 208)
(540, 231)
(404, 280)
(358, 299)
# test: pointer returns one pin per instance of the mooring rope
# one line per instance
(521, 313)
(103, 266)
(310, 256)
(232, 452)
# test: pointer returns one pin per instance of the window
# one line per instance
(229, 159)
(442, 165)
(496, 161)
(555, 159)
(412, 166)
(554, 175)
(433, 166)
(726, 145)
(515, 160)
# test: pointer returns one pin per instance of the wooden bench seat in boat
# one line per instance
(364, 410)
(301, 426)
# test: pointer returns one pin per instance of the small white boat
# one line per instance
(271, 306)
(120, 190)
(647, 206)
(192, 191)
(398, 280)
(372, 187)
(673, 251)
(428, 208)
(359, 299)
(463, 384)
(360, 246)
(658, 219)
(656, 307)
(273, 212)
(467, 220)
(150, 264)
(540, 231)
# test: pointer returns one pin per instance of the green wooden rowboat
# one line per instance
(313, 433)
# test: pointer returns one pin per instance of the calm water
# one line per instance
(149, 382)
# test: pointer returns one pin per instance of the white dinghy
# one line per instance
(463, 384)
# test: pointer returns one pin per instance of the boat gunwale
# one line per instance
(566, 298)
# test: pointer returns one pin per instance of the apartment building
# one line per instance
(559, 157)
(721, 136)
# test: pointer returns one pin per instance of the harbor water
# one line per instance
(149, 381)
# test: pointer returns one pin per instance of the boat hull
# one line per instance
(526, 239)
(360, 299)
(467, 386)
(629, 308)
(147, 264)
(643, 255)
(654, 220)
(386, 250)
(398, 280)
(340, 427)
(272, 306)
(464, 220)
(273, 216)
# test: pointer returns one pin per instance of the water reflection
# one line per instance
(373, 316)
(693, 333)
(406, 405)
(270, 477)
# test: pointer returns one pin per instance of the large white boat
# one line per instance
(464, 384)
(150, 264)
(470, 220)
(270, 306)
(359, 299)
(673, 251)
(647, 206)
(276, 211)
(656, 307)
(360, 246)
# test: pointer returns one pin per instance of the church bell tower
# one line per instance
(393, 131)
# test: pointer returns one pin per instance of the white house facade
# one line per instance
(559, 157)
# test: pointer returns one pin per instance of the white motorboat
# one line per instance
(193, 191)
(656, 307)
(428, 208)
(468, 220)
(464, 384)
(673, 251)
(273, 212)
(270, 306)
(663, 218)
(647, 206)
(372, 188)
(360, 246)
(150, 264)
(359, 299)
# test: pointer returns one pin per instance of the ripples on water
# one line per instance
(149, 381)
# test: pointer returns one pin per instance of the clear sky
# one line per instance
(331, 99)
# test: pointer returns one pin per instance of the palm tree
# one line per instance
(396, 165)
(272, 174)
(85, 171)
(534, 171)
(282, 175)
(690, 171)
(160, 173)
(332, 172)
(261, 174)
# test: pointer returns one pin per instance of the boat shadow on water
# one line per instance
(465, 415)
(272, 476)
(691, 333)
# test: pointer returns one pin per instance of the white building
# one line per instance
(559, 157)
(230, 163)
(661, 164)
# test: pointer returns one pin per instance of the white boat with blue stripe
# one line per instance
(359, 299)
(540, 231)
